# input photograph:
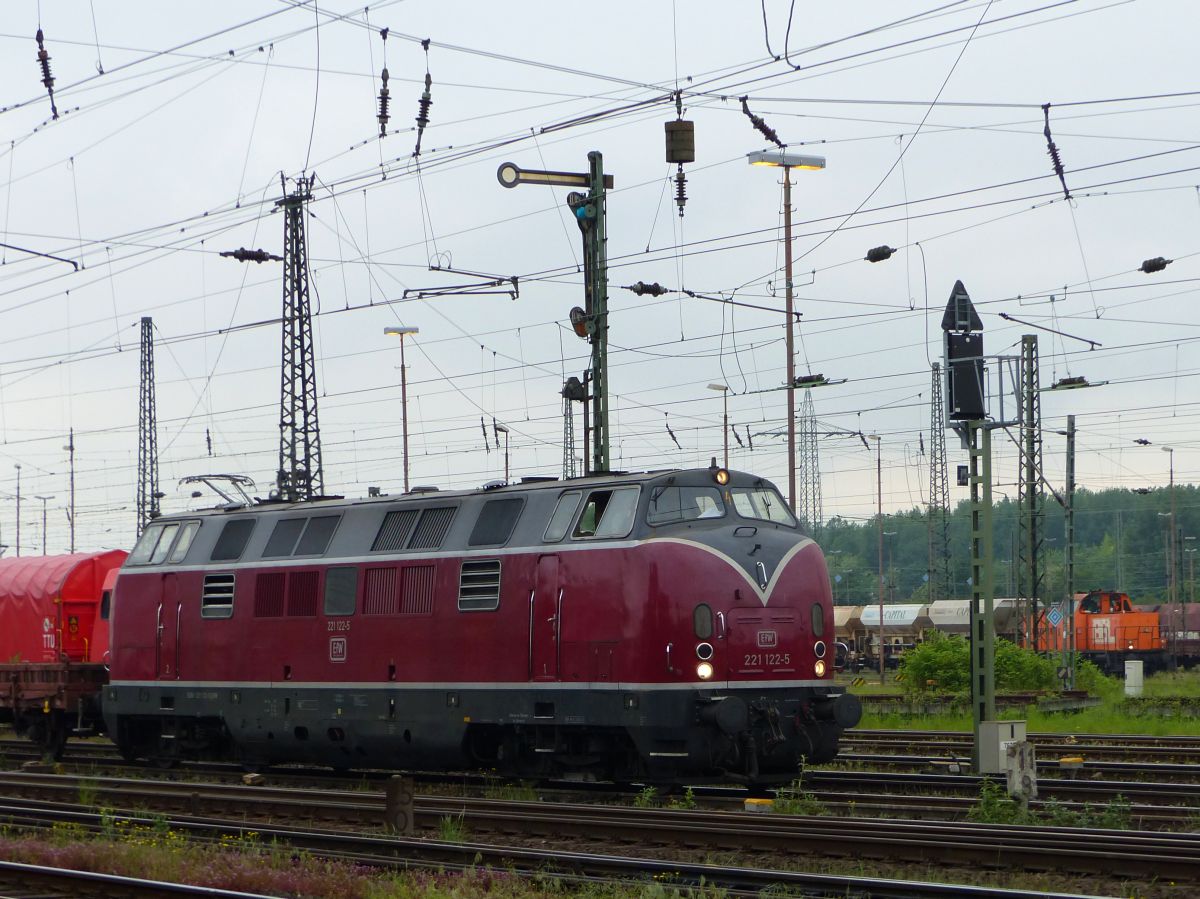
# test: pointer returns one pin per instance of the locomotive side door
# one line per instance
(545, 610)
(167, 627)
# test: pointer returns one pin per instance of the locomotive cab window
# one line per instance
(187, 533)
(608, 513)
(763, 503)
(818, 620)
(560, 521)
(671, 505)
(146, 545)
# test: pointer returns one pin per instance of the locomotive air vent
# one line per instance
(479, 586)
(216, 599)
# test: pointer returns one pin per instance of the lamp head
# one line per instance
(401, 332)
(785, 160)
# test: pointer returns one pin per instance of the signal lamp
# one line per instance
(579, 322)
(704, 671)
(819, 668)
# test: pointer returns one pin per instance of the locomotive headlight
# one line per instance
(704, 671)
(721, 476)
(819, 668)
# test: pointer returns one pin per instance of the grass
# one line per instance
(1110, 717)
(247, 864)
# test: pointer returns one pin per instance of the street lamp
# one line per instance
(788, 161)
(503, 429)
(879, 517)
(402, 333)
(1174, 553)
(724, 388)
(43, 499)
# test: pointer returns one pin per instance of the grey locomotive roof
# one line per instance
(432, 496)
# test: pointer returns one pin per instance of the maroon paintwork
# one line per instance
(620, 608)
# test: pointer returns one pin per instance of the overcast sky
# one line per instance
(177, 120)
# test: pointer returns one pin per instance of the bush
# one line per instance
(1089, 677)
(943, 664)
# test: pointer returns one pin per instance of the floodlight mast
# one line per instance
(788, 161)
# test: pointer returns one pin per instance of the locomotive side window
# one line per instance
(496, 521)
(762, 503)
(394, 531)
(560, 521)
(183, 542)
(315, 539)
(608, 513)
(431, 529)
(216, 597)
(669, 505)
(702, 621)
(479, 586)
(284, 537)
(232, 542)
(818, 620)
(341, 588)
(105, 605)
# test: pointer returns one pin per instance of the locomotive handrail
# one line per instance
(178, 618)
(670, 668)
(721, 618)
(558, 633)
(158, 641)
(531, 593)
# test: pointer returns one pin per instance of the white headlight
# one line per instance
(704, 671)
(819, 668)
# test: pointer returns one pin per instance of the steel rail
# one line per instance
(398, 852)
(1084, 850)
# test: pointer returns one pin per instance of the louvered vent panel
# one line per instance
(416, 594)
(302, 593)
(431, 529)
(268, 594)
(379, 592)
(394, 531)
(479, 585)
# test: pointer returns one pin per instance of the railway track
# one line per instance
(1094, 747)
(394, 853)
(920, 794)
(1082, 851)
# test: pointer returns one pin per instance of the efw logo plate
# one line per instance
(767, 639)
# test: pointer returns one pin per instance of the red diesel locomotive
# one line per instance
(651, 627)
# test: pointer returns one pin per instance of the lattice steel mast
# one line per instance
(147, 492)
(939, 495)
(300, 475)
(809, 506)
(1030, 493)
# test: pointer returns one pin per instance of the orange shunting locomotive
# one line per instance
(1109, 631)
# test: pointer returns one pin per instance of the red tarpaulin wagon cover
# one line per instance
(50, 607)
